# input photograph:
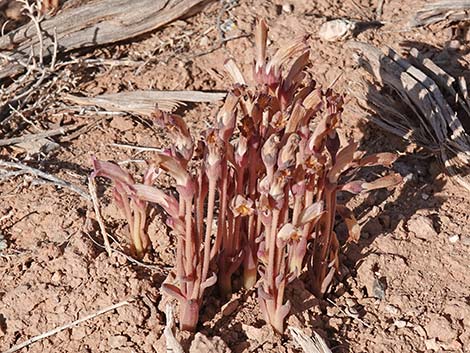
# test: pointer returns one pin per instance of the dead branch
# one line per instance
(45, 176)
(145, 102)
(92, 24)
(445, 10)
(435, 124)
(33, 137)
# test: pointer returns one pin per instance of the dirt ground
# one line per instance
(404, 287)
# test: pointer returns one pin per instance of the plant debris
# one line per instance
(438, 102)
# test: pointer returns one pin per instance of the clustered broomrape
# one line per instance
(262, 194)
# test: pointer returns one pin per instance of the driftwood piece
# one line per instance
(445, 10)
(314, 344)
(438, 112)
(94, 23)
(145, 102)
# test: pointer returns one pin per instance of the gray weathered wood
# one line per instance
(145, 102)
(94, 23)
(435, 123)
(444, 10)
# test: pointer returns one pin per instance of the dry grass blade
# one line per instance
(313, 344)
(436, 121)
(65, 327)
(446, 10)
(145, 102)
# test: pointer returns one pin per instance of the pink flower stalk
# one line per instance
(258, 190)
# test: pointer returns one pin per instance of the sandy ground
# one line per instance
(404, 286)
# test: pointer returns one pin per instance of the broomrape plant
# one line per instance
(262, 192)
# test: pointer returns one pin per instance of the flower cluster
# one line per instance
(263, 188)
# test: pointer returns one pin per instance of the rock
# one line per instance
(204, 41)
(400, 323)
(420, 330)
(366, 275)
(422, 227)
(391, 309)
(338, 29)
(438, 327)
(454, 346)
(409, 178)
(78, 333)
(378, 289)
(117, 341)
(202, 343)
(454, 238)
(458, 310)
(335, 323)
(432, 344)
(256, 334)
(287, 8)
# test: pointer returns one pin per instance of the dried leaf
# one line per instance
(234, 72)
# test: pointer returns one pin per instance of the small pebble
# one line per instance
(420, 331)
(287, 8)
(454, 44)
(454, 238)
(400, 323)
(378, 289)
(391, 309)
(432, 344)
(228, 26)
(424, 196)
(408, 177)
(204, 41)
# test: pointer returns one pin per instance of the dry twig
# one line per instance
(145, 102)
(45, 176)
(66, 326)
(33, 137)
(94, 23)
(445, 10)
(99, 219)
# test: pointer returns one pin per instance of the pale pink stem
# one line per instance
(209, 221)
(189, 252)
(180, 271)
(272, 249)
(221, 222)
